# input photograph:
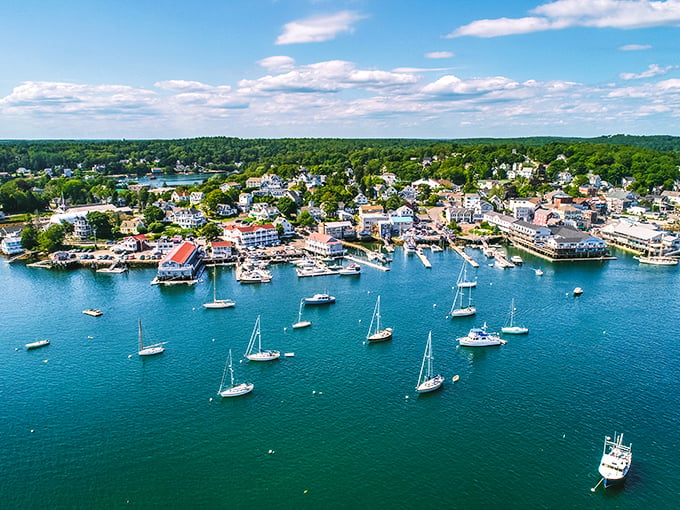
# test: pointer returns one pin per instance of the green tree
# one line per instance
(305, 219)
(100, 223)
(52, 238)
(210, 231)
(287, 206)
(29, 237)
(152, 214)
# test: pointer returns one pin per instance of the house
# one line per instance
(229, 185)
(179, 196)
(324, 245)
(287, 226)
(400, 224)
(245, 200)
(459, 214)
(389, 178)
(618, 200)
(196, 197)
(543, 216)
(480, 210)
(181, 263)
(522, 209)
(426, 182)
(564, 178)
(253, 235)
(131, 226)
(470, 200)
(409, 193)
(360, 199)
(187, 218)
(502, 221)
(82, 228)
(221, 249)
(263, 211)
(338, 229)
(164, 245)
(136, 243)
(225, 210)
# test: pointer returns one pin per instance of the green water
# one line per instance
(86, 423)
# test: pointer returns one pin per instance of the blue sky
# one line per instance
(356, 68)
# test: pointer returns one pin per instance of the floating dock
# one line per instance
(366, 263)
(465, 256)
(423, 258)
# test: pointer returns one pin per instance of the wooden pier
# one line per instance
(423, 258)
(465, 256)
(366, 263)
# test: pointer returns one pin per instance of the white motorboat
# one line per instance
(427, 381)
(512, 328)
(478, 337)
(93, 312)
(616, 460)
(233, 390)
(38, 344)
(319, 299)
(259, 354)
(539, 272)
(657, 260)
(300, 323)
(218, 303)
(149, 350)
(578, 291)
(375, 334)
(351, 270)
(517, 260)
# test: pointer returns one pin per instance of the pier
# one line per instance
(423, 258)
(366, 263)
(465, 256)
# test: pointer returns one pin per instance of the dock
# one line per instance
(465, 256)
(502, 261)
(367, 263)
(423, 258)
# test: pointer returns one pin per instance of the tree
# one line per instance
(100, 223)
(51, 239)
(305, 219)
(29, 237)
(287, 206)
(152, 214)
(210, 231)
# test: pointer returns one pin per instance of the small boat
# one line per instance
(38, 344)
(218, 303)
(410, 247)
(233, 390)
(578, 291)
(351, 270)
(616, 460)
(478, 337)
(460, 310)
(511, 328)
(426, 380)
(375, 334)
(538, 272)
(517, 260)
(319, 299)
(93, 312)
(436, 247)
(455, 378)
(657, 260)
(463, 282)
(149, 350)
(259, 354)
(300, 323)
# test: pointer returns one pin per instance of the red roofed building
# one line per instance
(135, 243)
(325, 245)
(221, 249)
(180, 263)
(252, 235)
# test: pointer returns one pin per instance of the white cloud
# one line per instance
(318, 28)
(330, 76)
(652, 70)
(439, 54)
(635, 47)
(420, 69)
(452, 85)
(622, 14)
(186, 86)
(277, 63)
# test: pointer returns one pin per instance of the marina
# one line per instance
(522, 389)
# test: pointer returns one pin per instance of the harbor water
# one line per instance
(86, 423)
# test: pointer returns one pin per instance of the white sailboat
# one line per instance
(300, 323)
(218, 303)
(233, 390)
(149, 350)
(463, 282)
(426, 381)
(259, 354)
(375, 334)
(511, 328)
(457, 308)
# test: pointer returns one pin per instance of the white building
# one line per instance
(181, 262)
(287, 226)
(188, 218)
(221, 249)
(324, 245)
(337, 229)
(254, 235)
(522, 209)
(196, 197)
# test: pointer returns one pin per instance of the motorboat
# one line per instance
(657, 260)
(517, 260)
(351, 270)
(616, 460)
(578, 291)
(319, 299)
(478, 337)
(38, 344)
(93, 312)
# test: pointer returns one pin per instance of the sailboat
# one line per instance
(233, 390)
(426, 381)
(462, 311)
(375, 334)
(149, 350)
(463, 281)
(511, 329)
(300, 323)
(259, 355)
(218, 303)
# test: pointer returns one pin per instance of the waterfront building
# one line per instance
(646, 238)
(324, 245)
(164, 245)
(534, 235)
(187, 218)
(569, 243)
(11, 243)
(337, 229)
(502, 221)
(135, 243)
(221, 249)
(253, 235)
(182, 262)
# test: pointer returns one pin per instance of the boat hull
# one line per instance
(301, 324)
(319, 301)
(431, 384)
(467, 285)
(151, 351)
(464, 312)
(220, 303)
(237, 390)
(37, 345)
(264, 356)
(514, 330)
(380, 336)
(480, 342)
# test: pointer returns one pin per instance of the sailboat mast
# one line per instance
(259, 336)
(141, 343)
(377, 315)
(224, 374)
(231, 370)
(215, 285)
(429, 356)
